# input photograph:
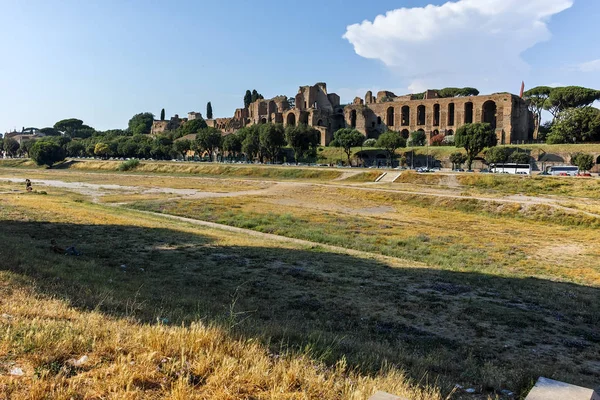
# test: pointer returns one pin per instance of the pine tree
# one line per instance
(247, 99)
(162, 114)
(255, 95)
(209, 113)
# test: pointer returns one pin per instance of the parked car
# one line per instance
(585, 174)
(459, 170)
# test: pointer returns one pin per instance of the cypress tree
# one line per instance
(209, 113)
(254, 95)
(162, 114)
(247, 99)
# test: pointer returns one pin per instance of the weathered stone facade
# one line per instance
(507, 113)
(373, 115)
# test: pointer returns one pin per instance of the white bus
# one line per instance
(510, 168)
(563, 170)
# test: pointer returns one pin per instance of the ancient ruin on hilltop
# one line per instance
(373, 115)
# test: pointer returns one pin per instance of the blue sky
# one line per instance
(104, 60)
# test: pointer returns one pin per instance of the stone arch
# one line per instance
(390, 116)
(405, 133)
(468, 112)
(451, 114)
(436, 115)
(320, 122)
(489, 113)
(378, 120)
(304, 118)
(449, 132)
(435, 133)
(353, 119)
(405, 117)
(263, 121)
(272, 107)
(291, 119)
(421, 115)
(598, 160)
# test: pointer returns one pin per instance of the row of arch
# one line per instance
(489, 112)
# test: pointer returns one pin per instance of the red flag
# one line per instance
(522, 88)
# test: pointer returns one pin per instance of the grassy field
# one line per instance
(447, 290)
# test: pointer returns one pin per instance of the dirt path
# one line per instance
(96, 191)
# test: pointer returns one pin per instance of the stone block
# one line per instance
(548, 389)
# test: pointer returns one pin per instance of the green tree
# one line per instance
(474, 138)
(128, 148)
(417, 138)
(193, 126)
(562, 98)
(247, 99)
(347, 138)
(251, 142)
(272, 139)
(25, 148)
(141, 124)
(50, 131)
(575, 125)
(256, 96)
(75, 148)
(182, 146)
(457, 159)
(519, 157)
(162, 114)
(468, 91)
(47, 152)
(101, 150)
(391, 141)
(68, 126)
(11, 147)
(208, 140)
(536, 100)
(584, 161)
(302, 139)
(497, 155)
(232, 144)
(209, 111)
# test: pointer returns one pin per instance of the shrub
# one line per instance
(437, 140)
(370, 143)
(129, 165)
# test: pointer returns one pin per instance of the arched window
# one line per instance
(263, 121)
(421, 115)
(451, 114)
(291, 120)
(405, 134)
(489, 113)
(468, 113)
(378, 120)
(390, 116)
(436, 115)
(405, 116)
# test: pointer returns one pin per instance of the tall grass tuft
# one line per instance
(129, 165)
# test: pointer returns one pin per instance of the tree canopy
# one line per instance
(584, 161)
(347, 138)
(417, 138)
(209, 111)
(457, 92)
(391, 141)
(47, 152)
(497, 155)
(11, 146)
(474, 138)
(208, 140)
(536, 100)
(272, 139)
(575, 125)
(457, 159)
(141, 124)
(563, 98)
(302, 139)
(193, 126)
(232, 144)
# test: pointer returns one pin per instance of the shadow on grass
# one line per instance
(456, 327)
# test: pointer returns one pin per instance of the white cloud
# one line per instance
(463, 43)
(590, 66)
